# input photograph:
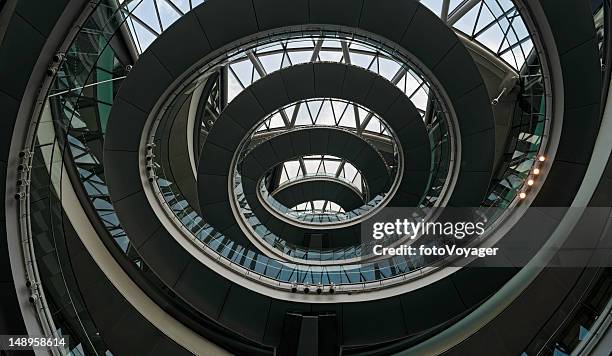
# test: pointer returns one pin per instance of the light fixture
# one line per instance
(536, 171)
(542, 158)
(530, 182)
(523, 195)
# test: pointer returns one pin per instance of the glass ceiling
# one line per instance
(321, 165)
(318, 207)
(251, 66)
(495, 24)
(326, 112)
